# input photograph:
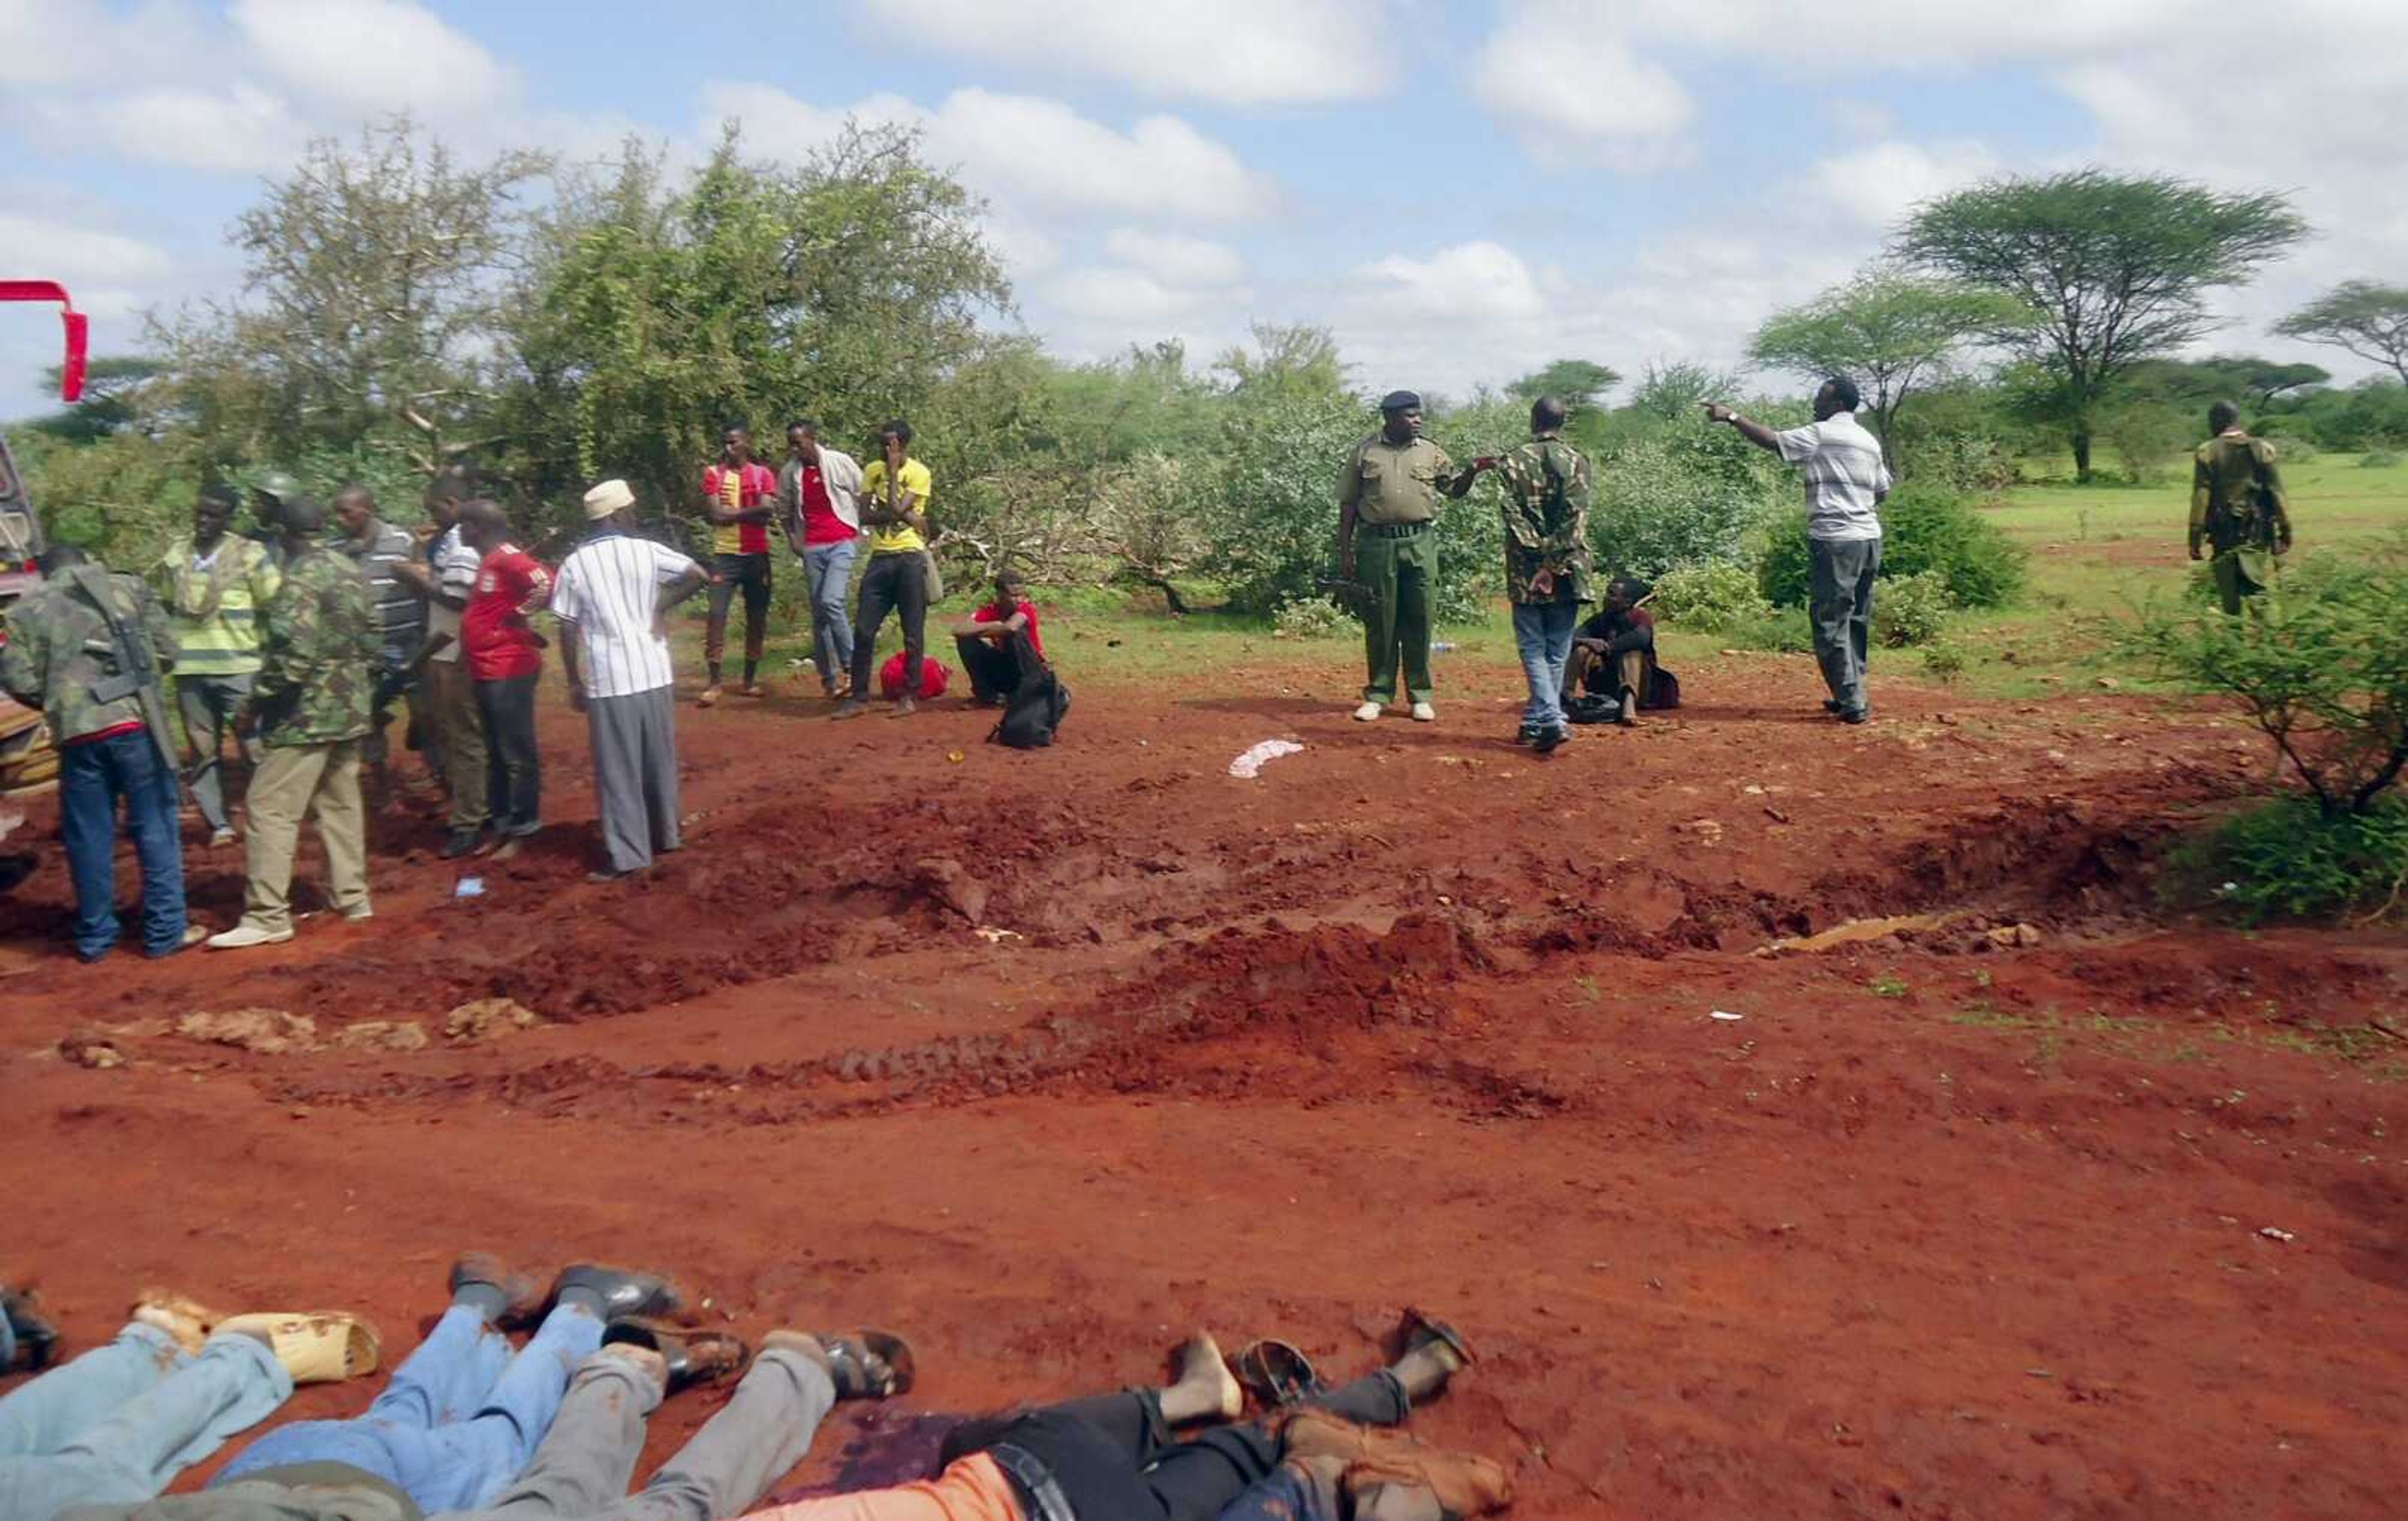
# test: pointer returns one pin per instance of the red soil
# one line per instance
(1938, 1228)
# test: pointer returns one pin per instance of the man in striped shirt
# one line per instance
(377, 548)
(213, 585)
(612, 598)
(1846, 479)
(446, 579)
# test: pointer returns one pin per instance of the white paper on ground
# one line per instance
(1251, 763)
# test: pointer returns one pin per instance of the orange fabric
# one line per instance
(972, 1489)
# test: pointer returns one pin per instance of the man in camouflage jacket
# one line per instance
(88, 646)
(310, 705)
(2238, 508)
(1547, 572)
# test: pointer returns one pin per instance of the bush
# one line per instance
(1782, 630)
(1682, 495)
(1944, 660)
(1911, 609)
(1711, 597)
(2290, 860)
(1922, 529)
(1311, 618)
(2379, 459)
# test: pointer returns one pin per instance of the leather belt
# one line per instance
(1034, 1482)
(1396, 530)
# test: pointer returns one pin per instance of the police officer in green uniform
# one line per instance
(87, 647)
(1390, 491)
(2237, 507)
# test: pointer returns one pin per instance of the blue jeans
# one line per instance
(93, 776)
(828, 570)
(1542, 632)
(116, 1425)
(460, 1419)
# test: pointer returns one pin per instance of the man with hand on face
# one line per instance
(380, 548)
(739, 497)
(505, 657)
(819, 497)
(446, 579)
(214, 586)
(612, 598)
(1391, 489)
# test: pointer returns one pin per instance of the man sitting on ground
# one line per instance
(1613, 656)
(989, 653)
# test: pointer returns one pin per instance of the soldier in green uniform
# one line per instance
(1390, 489)
(88, 646)
(2237, 507)
(310, 705)
(1547, 574)
(267, 501)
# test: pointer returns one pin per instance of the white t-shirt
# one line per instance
(610, 589)
(1844, 474)
(455, 568)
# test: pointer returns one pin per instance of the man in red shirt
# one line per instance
(505, 657)
(819, 492)
(988, 650)
(739, 497)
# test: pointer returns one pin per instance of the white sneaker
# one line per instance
(1425, 713)
(359, 912)
(243, 936)
(1369, 713)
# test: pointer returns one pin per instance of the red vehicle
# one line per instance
(27, 762)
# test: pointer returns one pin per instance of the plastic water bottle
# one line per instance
(1442, 647)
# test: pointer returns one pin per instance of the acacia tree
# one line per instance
(2117, 266)
(372, 275)
(1889, 331)
(2367, 320)
(1577, 384)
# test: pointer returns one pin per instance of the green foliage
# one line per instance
(2380, 459)
(2319, 664)
(1890, 332)
(1578, 383)
(1273, 514)
(2119, 266)
(2147, 438)
(1683, 494)
(1671, 390)
(1923, 530)
(120, 497)
(1711, 597)
(1782, 630)
(2290, 860)
(2367, 320)
(112, 400)
(1911, 609)
(1945, 660)
(1312, 618)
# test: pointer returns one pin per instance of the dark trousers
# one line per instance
(892, 583)
(1114, 1458)
(734, 573)
(93, 776)
(1840, 601)
(993, 667)
(513, 776)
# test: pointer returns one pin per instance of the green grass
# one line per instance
(2369, 1052)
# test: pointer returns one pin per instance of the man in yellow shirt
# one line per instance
(895, 492)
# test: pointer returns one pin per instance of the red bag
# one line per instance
(890, 677)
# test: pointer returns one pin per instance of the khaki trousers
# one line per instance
(451, 704)
(324, 782)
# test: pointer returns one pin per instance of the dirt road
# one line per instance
(1045, 1058)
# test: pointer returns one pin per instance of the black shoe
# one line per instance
(1833, 705)
(868, 1364)
(625, 1294)
(523, 1297)
(1527, 733)
(1855, 715)
(1546, 740)
(693, 1357)
(463, 843)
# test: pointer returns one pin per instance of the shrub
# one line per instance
(2290, 860)
(1922, 529)
(2319, 663)
(1782, 630)
(1911, 609)
(1712, 597)
(1683, 495)
(1311, 618)
(2379, 459)
(1944, 660)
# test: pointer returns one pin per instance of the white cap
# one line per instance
(610, 497)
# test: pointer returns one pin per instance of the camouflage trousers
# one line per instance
(2241, 574)
(324, 782)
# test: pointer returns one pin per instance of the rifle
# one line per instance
(393, 684)
(1347, 593)
(137, 672)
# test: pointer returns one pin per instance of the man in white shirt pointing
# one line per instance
(1845, 482)
(613, 595)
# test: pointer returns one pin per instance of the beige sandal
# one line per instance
(324, 1346)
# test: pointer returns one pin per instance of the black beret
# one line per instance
(1397, 401)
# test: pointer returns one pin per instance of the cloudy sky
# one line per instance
(1463, 191)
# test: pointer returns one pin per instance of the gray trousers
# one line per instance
(635, 774)
(581, 1473)
(207, 704)
(1840, 601)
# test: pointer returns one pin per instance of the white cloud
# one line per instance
(1187, 262)
(1470, 283)
(371, 55)
(1236, 52)
(1127, 301)
(1027, 150)
(1573, 90)
(241, 130)
(1875, 186)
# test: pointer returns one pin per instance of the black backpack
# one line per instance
(1034, 708)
